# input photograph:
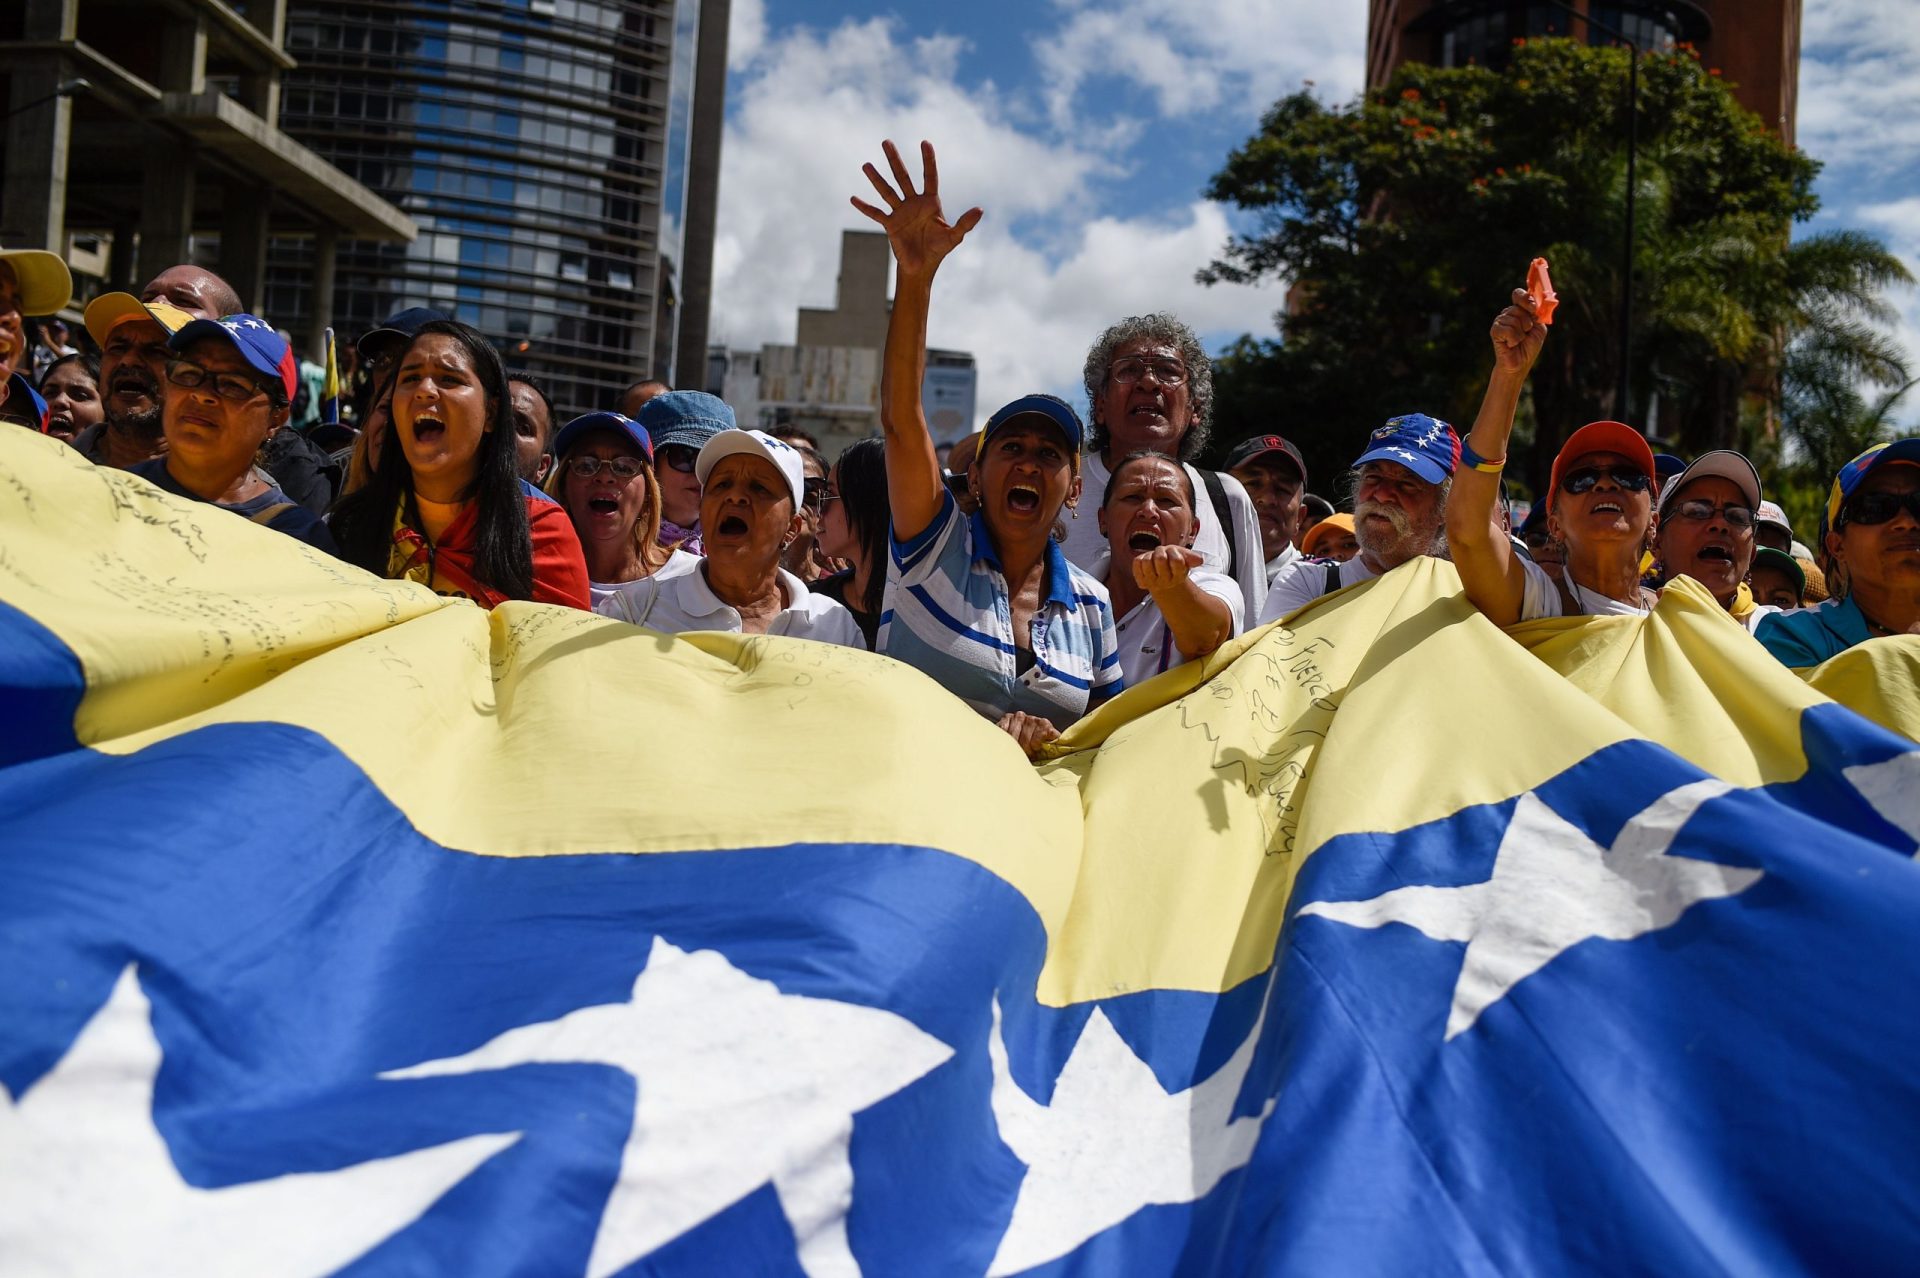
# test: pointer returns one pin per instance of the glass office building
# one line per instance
(529, 139)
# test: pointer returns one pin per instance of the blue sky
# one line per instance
(1088, 130)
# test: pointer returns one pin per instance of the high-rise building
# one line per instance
(141, 136)
(542, 146)
(1754, 43)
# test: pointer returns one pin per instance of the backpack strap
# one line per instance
(1333, 579)
(1223, 511)
(271, 513)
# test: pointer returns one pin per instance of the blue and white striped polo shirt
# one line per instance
(948, 616)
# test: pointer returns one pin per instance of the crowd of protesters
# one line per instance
(1034, 569)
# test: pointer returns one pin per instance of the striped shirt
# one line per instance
(948, 615)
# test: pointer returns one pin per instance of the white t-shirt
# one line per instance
(1146, 641)
(677, 562)
(1085, 547)
(685, 601)
(1541, 597)
(1305, 580)
(1282, 561)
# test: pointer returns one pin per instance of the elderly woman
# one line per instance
(1599, 501)
(229, 386)
(446, 508)
(604, 480)
(1172, 608)
(1873, 543)
(680, 423)
(854, 524)
(751, 489)
(1706, 529)
(987, 605)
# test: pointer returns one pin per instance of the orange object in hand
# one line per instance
(1540, 284)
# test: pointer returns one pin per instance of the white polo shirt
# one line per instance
(1288, 556)
(677, 562)
(1146, 641)
(684, 601)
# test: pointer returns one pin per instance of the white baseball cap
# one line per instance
(1722, 463)
(1770, 513)
(782, 454)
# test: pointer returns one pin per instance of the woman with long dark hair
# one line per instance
(447, 508)
(854, 522)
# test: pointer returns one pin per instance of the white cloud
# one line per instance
(1860, 85)
(1197, 56)
(813, 106)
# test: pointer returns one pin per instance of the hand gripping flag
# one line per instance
(348, 928)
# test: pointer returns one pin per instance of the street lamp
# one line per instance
(65, 89)
(1633, 138)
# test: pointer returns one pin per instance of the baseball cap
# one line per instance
(785, 458)
(685, 417)
(1056, 412)
(1332, 526)
(1844, 483)
(1666, 466)
(400, 327)
(265, 351)
(45, 283)
(109, 310)
(24, 402)
(1768, 512)
(1602, 437)
(1768, 557)
(1259, 446)
(587, 422)
(1721, 463)
(1425, 445)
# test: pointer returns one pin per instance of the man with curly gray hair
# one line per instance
(1150, 387)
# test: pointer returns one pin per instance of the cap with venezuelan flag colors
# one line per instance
(1851, 474)
(265, 351)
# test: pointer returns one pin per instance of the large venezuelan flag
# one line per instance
(346, 928)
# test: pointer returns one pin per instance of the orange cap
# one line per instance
(1603, 437)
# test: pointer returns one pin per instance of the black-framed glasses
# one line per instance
(1698, 510)
(231, 387)
(623, 468)
(1165, 371)
(1869, 509)
(679, 456)
(813, 493)
(1588, 477)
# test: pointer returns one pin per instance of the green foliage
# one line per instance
(1405, 219)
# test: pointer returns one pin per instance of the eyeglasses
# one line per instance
(1584, 479)
(623, 468)
(813, 493)
(679, 457)
(1699, 510)
(1879, 508)
(228, 386)
(1165, 371)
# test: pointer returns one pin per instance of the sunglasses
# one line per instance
(814, 493)
(679, 457)
(1879, 508)
(1698, 510)
(622, 467)
(1588, 477)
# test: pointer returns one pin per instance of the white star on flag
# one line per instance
(1113, 1140)
(92, 1189)
(735, 1084)
(1893, 788)
(1553, 887)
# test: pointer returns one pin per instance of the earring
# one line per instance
(1074, 508)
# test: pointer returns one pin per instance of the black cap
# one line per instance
(1260, 445)
(400, 327)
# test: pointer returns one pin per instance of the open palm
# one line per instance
(915, 225)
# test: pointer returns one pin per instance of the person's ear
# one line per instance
(277, 417)
(546, 468)
(1100, 517)
(1073, 489)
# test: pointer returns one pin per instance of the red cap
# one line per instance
(1603, 437)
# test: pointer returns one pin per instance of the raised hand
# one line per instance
(1518, 334)
(1165, 567)
(916, 228)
